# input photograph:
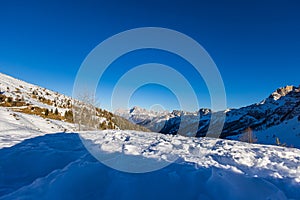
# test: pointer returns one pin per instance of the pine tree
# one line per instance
(9, 99)
(103, 126)
(56, 111)
(69, 115)
(46, 112)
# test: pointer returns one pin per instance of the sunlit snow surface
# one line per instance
(16, 127)
(36, 165)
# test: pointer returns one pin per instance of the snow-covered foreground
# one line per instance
(37, 165)
(57, 166)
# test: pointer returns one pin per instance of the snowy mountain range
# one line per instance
(45, 157)
(275, 119)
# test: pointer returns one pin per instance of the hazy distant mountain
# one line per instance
(139, 115)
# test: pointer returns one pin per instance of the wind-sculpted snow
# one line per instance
(235, 156)
(57, 166)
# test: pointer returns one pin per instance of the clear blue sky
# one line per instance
(255, 44)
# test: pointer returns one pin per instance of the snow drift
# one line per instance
(57, 166)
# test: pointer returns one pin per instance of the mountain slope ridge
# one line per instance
(280, 109)
(20, 96)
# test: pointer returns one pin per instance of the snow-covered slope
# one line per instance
(277, 116)
(34, 95)
(16, 127)
(24, 97)
(57, 166)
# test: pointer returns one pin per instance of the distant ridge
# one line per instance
(277, 116)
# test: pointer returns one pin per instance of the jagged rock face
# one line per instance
(280, 92)
(280, 106)
(204, 111)
(139, 115)
(137, 109)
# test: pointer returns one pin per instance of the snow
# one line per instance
(275, 117)
(288, 133)
(11, 86)
(139, 115)
(36, 165)
(44, 159)
(16, 127)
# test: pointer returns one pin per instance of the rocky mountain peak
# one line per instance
(137, 109)
(283, 91)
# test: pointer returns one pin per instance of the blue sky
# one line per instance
(255, 44)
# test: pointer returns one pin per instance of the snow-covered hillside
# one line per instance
(33, 95)
(277, 116)
(24, 97)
